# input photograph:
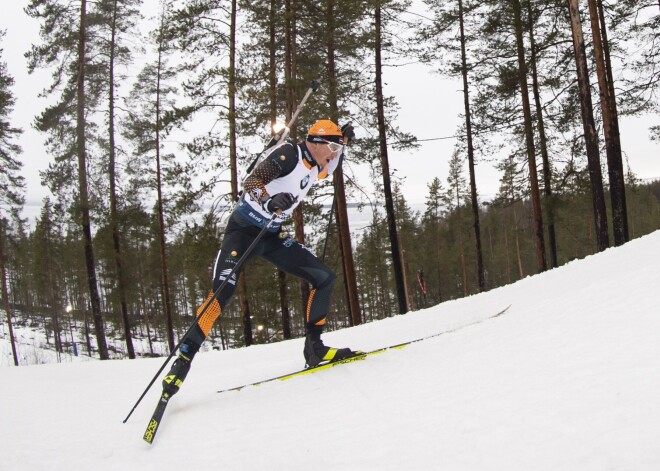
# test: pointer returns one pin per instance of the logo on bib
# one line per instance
(304, 182)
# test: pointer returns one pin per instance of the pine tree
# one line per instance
(455, 198)
(384, 159)
(119, 17)
(12, 184)
(534, 54)
(590, 134)
(5, 291)
(512, 191)
(209, 28)
(66, 41)
(340, 46)
(46, 237)
(610, 122)
(154, 115)
(432, 221)
(539, 238)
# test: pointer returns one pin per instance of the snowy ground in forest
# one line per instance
(567, 379)
(34, 347)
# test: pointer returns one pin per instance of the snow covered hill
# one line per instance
(567, 379)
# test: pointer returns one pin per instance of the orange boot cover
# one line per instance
(207, 320)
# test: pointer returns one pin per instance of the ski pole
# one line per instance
(327, 232)
(206, 306)
(280, 137)
(334, 204)
(313, 87)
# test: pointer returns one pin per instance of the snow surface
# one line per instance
(567, 379)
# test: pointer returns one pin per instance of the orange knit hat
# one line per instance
(325, 130)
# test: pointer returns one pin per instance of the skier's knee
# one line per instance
(327, 282)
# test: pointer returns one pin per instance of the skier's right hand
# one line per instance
(281, 201)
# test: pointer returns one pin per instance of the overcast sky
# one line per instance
(430, 108)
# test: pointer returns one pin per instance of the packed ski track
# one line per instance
(566, 379)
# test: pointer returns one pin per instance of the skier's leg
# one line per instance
(295, 259)
(233, 247)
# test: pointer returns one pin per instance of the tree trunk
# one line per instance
(409, 299)
(590, 136)
(506, 250)
(114, 223)
(537, 212)
(231, 115)
(99, 327)
(272, 97)
(387, 185)
(300, 237)
(438, 259)
(49, 289)
(290, 72)
(83, 310)
(272, 64)
(470, 148)
(143, 303)
(348, 263)
(521, 273)
(284, 305)
(245, 309)
(610, 125)
(459, 217)
(233, 158)
(165, 282)
(547, 170)
(5, 291)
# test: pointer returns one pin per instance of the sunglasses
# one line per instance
(334, 147)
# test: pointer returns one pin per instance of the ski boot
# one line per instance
(316, 353)
(174, 379)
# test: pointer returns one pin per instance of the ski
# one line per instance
(309, 370)
(358, 356)
(152, 428)
(154, 423)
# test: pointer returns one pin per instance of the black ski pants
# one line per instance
(285, 253)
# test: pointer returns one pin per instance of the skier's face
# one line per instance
(326, 152)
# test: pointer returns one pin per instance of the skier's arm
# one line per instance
(279, 163)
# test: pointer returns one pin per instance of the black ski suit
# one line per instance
(289, 169)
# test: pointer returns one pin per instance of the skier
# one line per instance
(277, 186)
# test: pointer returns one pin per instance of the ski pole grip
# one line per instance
(315, 85)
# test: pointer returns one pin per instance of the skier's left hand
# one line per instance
(280, 201)
(348, 132)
